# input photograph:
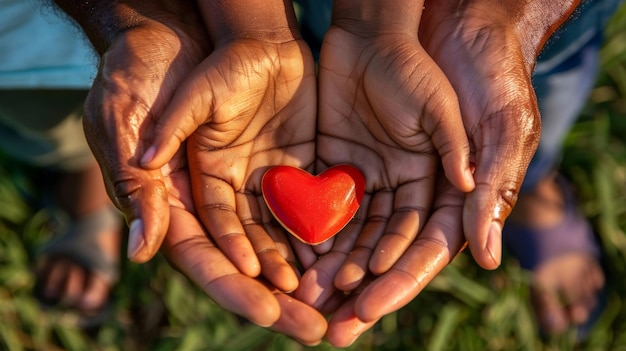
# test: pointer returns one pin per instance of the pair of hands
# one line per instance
(397, 104)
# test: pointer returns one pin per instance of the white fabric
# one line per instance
(41, 49)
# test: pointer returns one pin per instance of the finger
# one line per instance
(438, 243)
(188, 249)
(217, 207)
(283, 247)
(278, 234)
(438, 119)
(332, 304)
(274, 267)
(299, 321)
(305, 253)
(411, 205)
(317, 282)
(399, 234)
(356, 266)
(448, 133)
(596, 277)
(324, 247)
(316, 285)
(344, 327)
(269, 242)
(187, 110)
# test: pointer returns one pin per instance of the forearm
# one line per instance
(103, 21)
(267, 20)
(540, 19)
(372, 17)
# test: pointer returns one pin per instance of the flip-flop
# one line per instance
(78, 242)
(533, 246)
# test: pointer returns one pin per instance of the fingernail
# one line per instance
(135, 237)
(149, 155)
(494, 242)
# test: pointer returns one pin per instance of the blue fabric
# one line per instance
(314, 17)
(586, 24)
(39, 49)
(563, 78)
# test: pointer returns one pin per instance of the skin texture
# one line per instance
(502, 124)
(135, 83)
(137, 76)
(256, 109)
(418, 140)
(436, 245)
(501, 119)
(498, 43)
(188, 248)
(387, 108)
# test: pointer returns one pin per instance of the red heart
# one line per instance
(313, 208)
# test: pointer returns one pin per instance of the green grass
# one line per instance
(465, 308)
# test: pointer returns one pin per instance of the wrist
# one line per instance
(103, 21)
(266, 20)
(373, 17)
(538, 22)
(527, 24)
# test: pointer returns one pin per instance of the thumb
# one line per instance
(190, 107)
(502, 161)
(139, 194)
(142, 198)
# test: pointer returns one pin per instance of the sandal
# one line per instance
(78, 242)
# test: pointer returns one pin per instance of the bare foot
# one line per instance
(564, 291)
(565, 286)
(79, 269)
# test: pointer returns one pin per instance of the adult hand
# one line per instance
(501, 109)
(250, 105)
(487, 49)
(139, 71)
(387, 108)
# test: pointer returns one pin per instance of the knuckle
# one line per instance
(127, 189)
(507, 198)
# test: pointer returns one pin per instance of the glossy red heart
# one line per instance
(313, 208)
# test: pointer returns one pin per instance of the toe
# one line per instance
(53, 279)
(551, 315)
(96, 293)
(74, 285)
